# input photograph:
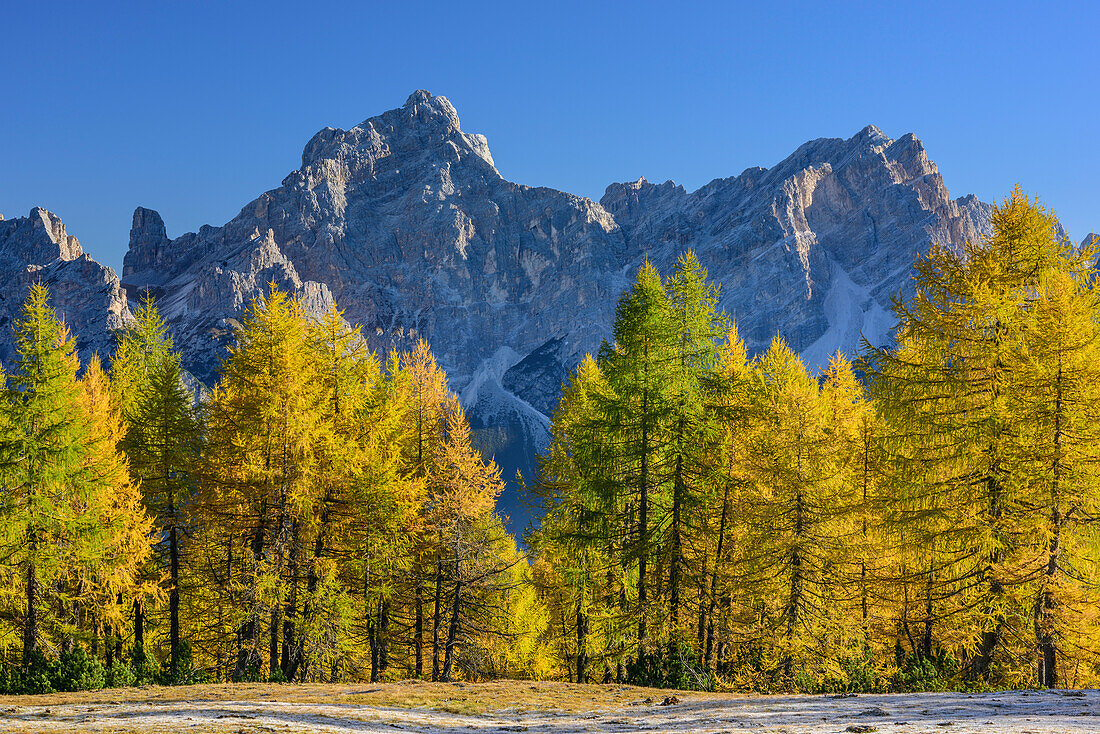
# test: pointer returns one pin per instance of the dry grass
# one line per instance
(458, 698)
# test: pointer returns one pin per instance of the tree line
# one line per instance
(921, 518)
(318, 516)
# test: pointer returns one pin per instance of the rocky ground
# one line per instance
(540, 707)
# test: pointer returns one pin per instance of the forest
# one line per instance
(921, 516)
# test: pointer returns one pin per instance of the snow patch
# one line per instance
(852, 313)
(491, 369)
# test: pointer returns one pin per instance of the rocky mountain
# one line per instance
(406, 224)
(36, 248)
(813, 248)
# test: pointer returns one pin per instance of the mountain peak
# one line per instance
(147, 223)
(37, 248)
(148, 241)
(423, 107)
(68, 246)
(420, 95)
(425, 122)
(872, 135)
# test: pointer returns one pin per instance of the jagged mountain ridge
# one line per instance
(37, 248)
(813, 248)
(405, 222)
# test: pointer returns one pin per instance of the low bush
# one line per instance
(674, 666)
(75, 670)
(936, 672)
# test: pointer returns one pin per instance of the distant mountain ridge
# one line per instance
(405, 222)
(37, 248)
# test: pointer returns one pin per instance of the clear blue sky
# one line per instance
(196, 108)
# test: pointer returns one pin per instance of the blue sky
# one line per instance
(194, 109)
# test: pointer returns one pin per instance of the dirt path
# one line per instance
(948, 713)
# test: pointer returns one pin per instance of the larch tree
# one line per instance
(949, 390)
(263, 419)
(370, 501)
(576, 538)
(163, 443)
(730, 402)
(796, 496)
(113, 570)
(72, 528)
(422, 387)
(1058, 444)
(463, 490)
(697, 327)
(635, 409)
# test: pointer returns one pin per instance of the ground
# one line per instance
(551, 708)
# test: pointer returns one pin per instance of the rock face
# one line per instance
(37, 248)
(405, 223)
(812, 249)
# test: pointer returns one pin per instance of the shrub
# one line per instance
(76, 671)
(675, 666)
(119, 675)
(36, 676)
(184, 673)
(9, 680)
(925, 673)
(145, 667)
(857, 675)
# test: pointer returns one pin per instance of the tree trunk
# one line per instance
(174, 599)
(452, 631)
(30, 624)
(384, 637)
(867, 447)
(701, 621)
(248, 656)
(674, 568)
(419, 631)
(290, 615)
(711, 663)
(372, 641)
(297, 660)
(248, 660)
(118, 642)
(794, 600)
(1044, 611)
(982, 663)
(926, 641)
(139, 628)
(643, 526)
(436, 618)
(582, 636)
(570, 659)
(1046, 604)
